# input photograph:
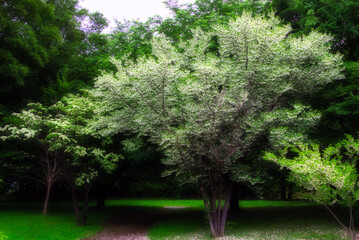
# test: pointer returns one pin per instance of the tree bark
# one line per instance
(86, 202)
(217, 214)
(351, 224)
(225, 210)
(75, 204)
(50, 169)
(47, 196)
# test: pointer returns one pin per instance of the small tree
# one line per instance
(36, 126)
(84, 157)
(331, 173)
(63, 138)
(207, 109)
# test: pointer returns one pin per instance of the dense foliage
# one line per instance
(60, 134)
(208, 111)
(331, 173)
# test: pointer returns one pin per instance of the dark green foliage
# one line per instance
(132, 39)
(339, 18)
(83, 55)
(140, 172)
(339, 100)
(46, 50)
(204, 14)
(340, 105)
(28, 40)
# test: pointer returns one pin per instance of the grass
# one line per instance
(25, 221)
(258, 220)
(198, 204)
(294, 222)
(157, 203)
(264, 220)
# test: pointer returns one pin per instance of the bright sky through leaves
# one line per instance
(129, 9)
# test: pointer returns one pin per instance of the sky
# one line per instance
(128, 9)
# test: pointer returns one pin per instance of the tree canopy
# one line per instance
(207, 110)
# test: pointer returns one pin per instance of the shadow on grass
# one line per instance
(24, 221)
(301, 222)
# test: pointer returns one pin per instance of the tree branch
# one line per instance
(336, 218)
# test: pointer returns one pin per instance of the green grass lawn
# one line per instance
(190, 203)
(198, 204)
(257, 220)
(25, 221)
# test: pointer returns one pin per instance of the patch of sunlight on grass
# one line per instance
(198, 204)
(265, 203)
(189, 203)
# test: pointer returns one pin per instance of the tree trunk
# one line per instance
(86, 202)
(225, 210)
(75, 204)
(234, 202)
(217, 214)
(351, 224)
(351, 229)
(47, 196)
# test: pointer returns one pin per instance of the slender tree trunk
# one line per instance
(86, 202)
(50, 171)
(75, 204)
(351, 229)
(351, 224)
(225, 210)
(216, 213)
(47, 196)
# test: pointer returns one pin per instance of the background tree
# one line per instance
(335, 17)
(208, 111)
(29, 39)
(41, 44)
(131, 39)
(330, 173)
(204, 14)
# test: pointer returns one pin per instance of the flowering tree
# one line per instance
(207, 109)
(330, 173)
(84, 159)
(36, 126)
(62, 137)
